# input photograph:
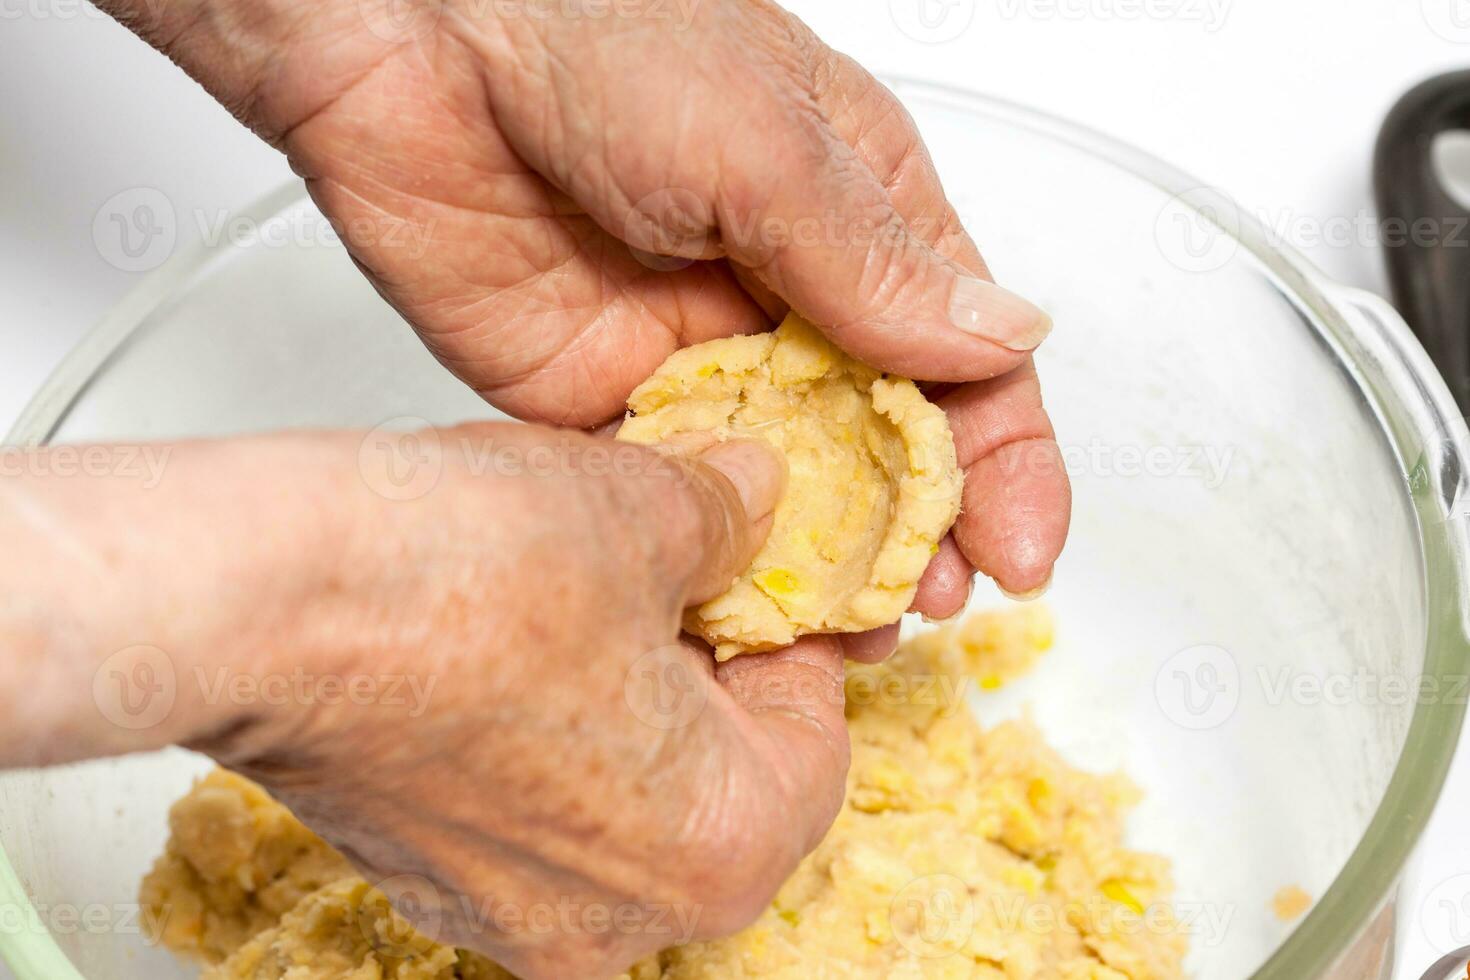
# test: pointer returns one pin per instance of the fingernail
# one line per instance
(1032, 595)
(959, 613)
(757, 472)
(986, 310)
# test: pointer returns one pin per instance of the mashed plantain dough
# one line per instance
(235, 862)
(873, 485)
(349, 931)
(960, 852)
(246, 888)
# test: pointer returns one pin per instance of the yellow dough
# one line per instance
(236, 861)
(959, 853)
(874, 484)
(349, 931)
(246, 887)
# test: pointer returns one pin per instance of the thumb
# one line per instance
(866, 277)
(792, 710)
(721, 515)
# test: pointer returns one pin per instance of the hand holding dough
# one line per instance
(874, 483)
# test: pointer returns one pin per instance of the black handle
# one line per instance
(1425, 230)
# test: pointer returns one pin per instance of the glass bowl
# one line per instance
(1269, 543)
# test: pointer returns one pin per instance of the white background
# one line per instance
(1276, 101)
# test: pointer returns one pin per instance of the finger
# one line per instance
(860, 271)
(874, 122)
(1018, 498)
(872, 647)
(792, 716)
(945, 586)
(510, 284)
(774, 307)
(871, 119)
(718, 516)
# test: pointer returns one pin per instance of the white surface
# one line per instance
(1276, 101)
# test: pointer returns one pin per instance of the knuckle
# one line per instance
(895, 273)
(740, 889)
(727, 917)
(729, 862)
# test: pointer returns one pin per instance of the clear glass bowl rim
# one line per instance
(1373, 344)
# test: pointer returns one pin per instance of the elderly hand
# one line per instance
(558, 195)
(474, 688)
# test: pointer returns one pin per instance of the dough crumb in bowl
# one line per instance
(349, 931)
(235, 862)
(1290, 902)
(873, 480)
(959, 852)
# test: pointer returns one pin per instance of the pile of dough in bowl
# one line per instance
(873, 483)
(960, 852)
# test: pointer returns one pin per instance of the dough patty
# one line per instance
(874, 483)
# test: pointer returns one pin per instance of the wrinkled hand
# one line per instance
(509, 176)
(576, 787)
(591, 762)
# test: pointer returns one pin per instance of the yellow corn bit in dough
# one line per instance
(991, 647)
(959, 852)
(873, 486)
(236, 861)
(1290, 902)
